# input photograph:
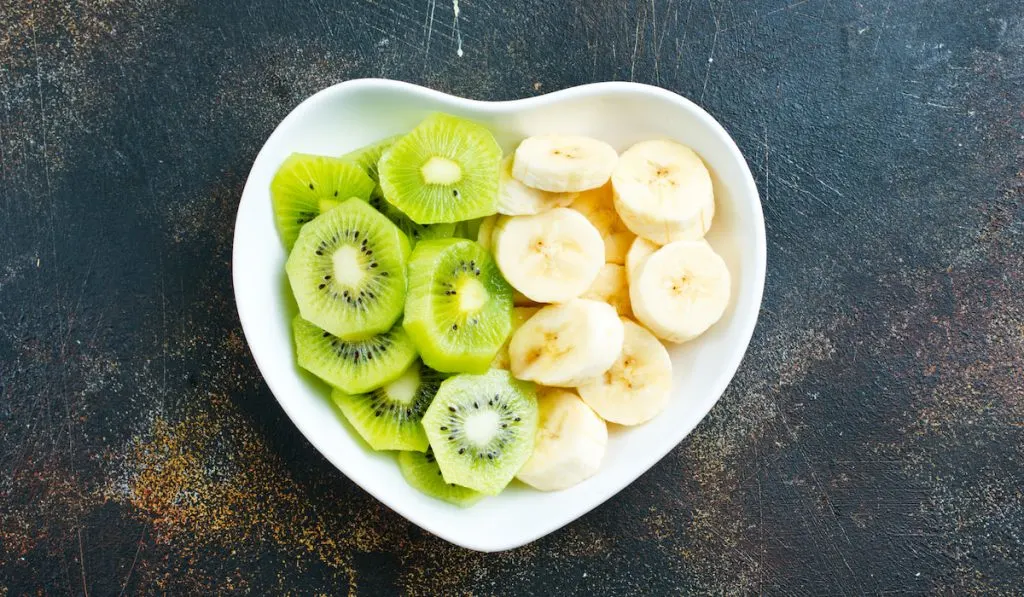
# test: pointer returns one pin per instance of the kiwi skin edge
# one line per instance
(422, 472)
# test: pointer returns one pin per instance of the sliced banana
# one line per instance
(517, 199)
(638, 386)
(485, 234)
(681, 290)
(640, 250)
(562, 345)
(550, 257)
(598, 207)
(519, 317)
(663, 192)
(612, 287)
(569, 445)
(563, 163)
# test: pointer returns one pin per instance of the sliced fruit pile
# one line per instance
(485, 317)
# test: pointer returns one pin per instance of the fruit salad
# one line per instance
(484, 317)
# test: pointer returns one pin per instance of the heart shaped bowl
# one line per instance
(354, 113)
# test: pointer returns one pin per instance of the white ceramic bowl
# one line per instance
(348, 115)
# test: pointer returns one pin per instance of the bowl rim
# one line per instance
(759, 271)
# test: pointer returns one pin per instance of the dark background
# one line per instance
(871, 442)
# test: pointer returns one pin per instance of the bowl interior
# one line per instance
(355, 113)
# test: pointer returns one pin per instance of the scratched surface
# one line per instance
(872, 442)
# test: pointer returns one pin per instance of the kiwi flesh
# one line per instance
(366, 157)
(415, 232)
(468, 228)
(420, 470)
(482, 429)
(444, 170)
(388, 417)
(347, 271)
(307, 185)
(354, 366)
(458, 308)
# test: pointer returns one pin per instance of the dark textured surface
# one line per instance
(872, 441)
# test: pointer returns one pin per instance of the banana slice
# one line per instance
(562, 345)
(681, 290)
(563, 163)
(519, 317)
(569, 446)
(611, 287)
(640, 250)
(597, 205)
(663, 192)
(517, 199)
(638, 386)
(550, 257)
(485, 234)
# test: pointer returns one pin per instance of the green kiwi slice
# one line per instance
(347, 271)
(307, 185)
(366, 157)
(444, 170)
(482, 429)
(458, 309)
(415, 232)
(388, 418)
(421, 471)
(468, 228)
(353, 366)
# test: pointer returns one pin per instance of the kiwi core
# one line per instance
(472, 295)
(441, 171)
(348, 268)
(404, 388)
(482, 426)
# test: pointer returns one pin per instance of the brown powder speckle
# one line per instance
(210, 480)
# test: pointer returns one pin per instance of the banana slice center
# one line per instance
(663, 175)
(680, 284)
(556, 255)
(568, 153)
(441, 171)
(553, 429)
(348, 267)
(622, 373)
(549, 347)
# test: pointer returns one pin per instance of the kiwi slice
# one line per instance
(444, 170)
(347, 271)
(389, 417)
(415, 232)
(307, 185)
(468, 228)
(366, 157)
(458, 310)
(353, 366)
(482, 429)
(421, 471)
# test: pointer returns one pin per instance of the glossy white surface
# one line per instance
(348, 115)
